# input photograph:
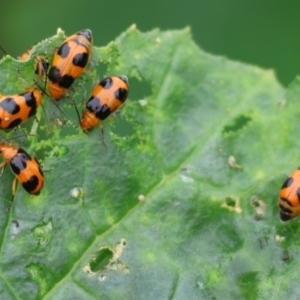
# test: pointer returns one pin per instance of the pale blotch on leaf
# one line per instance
(39, 274)
(186, 179)
(232, 203)
(43, 233)
(214, 276)
(279, 239)
(143, 102)
(149, 256)
(58, 122)
(232, 162)
(158, 42)
(59, 150)
(200, 285)
(107, 258)
(259, 207)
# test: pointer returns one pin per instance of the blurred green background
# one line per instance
(264, 33)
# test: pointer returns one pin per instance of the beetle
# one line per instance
(16, 109)
(26, 168)
(107, 96)
(289, 197)
(69, 62)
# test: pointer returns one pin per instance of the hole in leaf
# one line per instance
(122, 126)
(101, 259)
(138, 89)
(40, 153)
(230, 202)
(279, 239)
(238, 123)
(285, 256)
(107, 258)
(102, 71)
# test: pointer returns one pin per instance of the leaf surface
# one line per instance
(163, 211)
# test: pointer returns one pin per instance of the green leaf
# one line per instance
(181, 203)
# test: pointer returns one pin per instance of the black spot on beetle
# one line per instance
(64, 50)
(19, 163)
(31, 184)
(10, 105)
(121, 94)
(54, 74)
(66, 81)
(29, 99)
(288, 182)
(14, 123)
(106, 83)
(80, 59)
(32, 112)
(103, 112)
(63, 81)
(93, 104)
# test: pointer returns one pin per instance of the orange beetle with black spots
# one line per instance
(26, 168)
(41, 66)
(289, 197)
(69, 62)
(108, 95)
(16, 109)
